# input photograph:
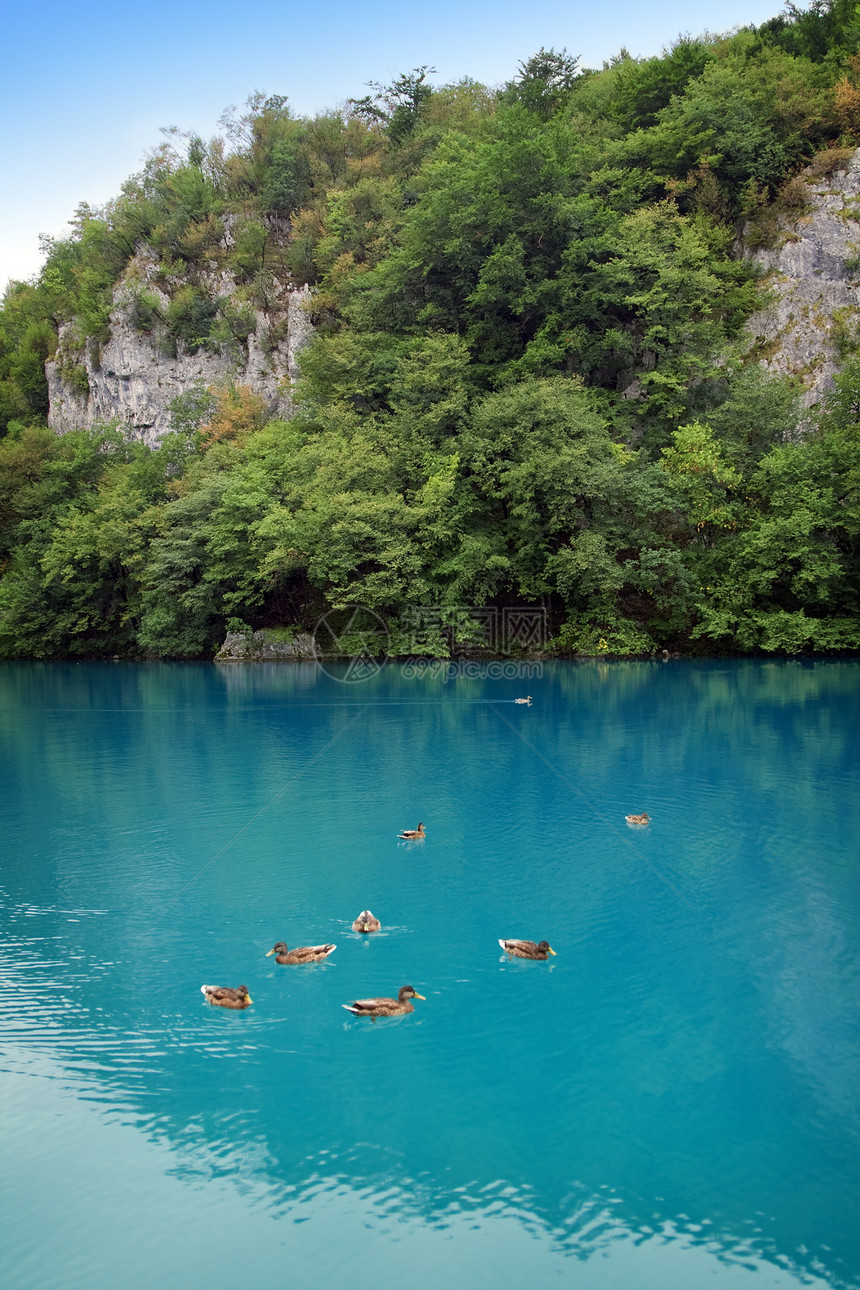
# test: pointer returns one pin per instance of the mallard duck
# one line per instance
(384, 1007)
(412, 835)
(224, 996)
(644, 818)
(302, 954)
(528, 949)
(366, 922)
(527, 700)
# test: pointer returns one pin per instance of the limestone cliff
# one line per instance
(133, 377)
(813, 273)
(811, 266)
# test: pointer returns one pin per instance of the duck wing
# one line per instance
(225, 995)
(219, 991)
(310, 953)
(522, 949)
(358, 1006)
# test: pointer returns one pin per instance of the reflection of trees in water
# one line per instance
(574, 1143)
(233, 1102)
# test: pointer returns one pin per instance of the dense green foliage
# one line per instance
(527, 384)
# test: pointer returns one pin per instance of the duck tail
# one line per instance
(350, 1008)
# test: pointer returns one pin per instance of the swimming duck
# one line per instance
(366, 922)
(412, 835)
(644, 818)
(224, 996)
(527, 949)
(302, 954)
(384, 1007)
(527, 700)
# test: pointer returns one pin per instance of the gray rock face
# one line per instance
(815, 302)
(133, 380)
(266, 646)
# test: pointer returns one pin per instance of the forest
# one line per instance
(529, 381)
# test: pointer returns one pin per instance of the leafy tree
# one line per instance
(70, 511)
(398, 104)
(642, 88)
(544, 82)
(753, 116)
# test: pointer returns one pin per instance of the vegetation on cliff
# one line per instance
(528, 383)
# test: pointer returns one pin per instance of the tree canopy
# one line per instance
(527, 384)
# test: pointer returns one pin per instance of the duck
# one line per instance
(527, 949)
(412, 835)
(224, 996)
(527, 700)
(366, 922)
(385, 1007)
(302, 954)
(644, 818)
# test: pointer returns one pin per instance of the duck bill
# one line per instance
(420, 996)
(269, 953)
(552, 951)
(250, 1000)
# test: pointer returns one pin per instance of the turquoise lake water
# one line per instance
(671, 1102)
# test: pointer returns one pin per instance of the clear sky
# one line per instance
(87, 87)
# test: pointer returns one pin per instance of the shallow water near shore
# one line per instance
(671, 1101)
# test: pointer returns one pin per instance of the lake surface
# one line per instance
(670, 1102)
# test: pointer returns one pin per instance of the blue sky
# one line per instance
(86, 88)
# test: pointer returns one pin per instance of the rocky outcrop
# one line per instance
(133, 378)
(267, 646)
(813, 274)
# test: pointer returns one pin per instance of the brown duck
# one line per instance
(527, 949)
(644, 818)
(302, 954)
(366, 922)
(224, 996)
(385, 1007)
(412, 835)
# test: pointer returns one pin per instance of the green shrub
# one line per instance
(190, 316)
